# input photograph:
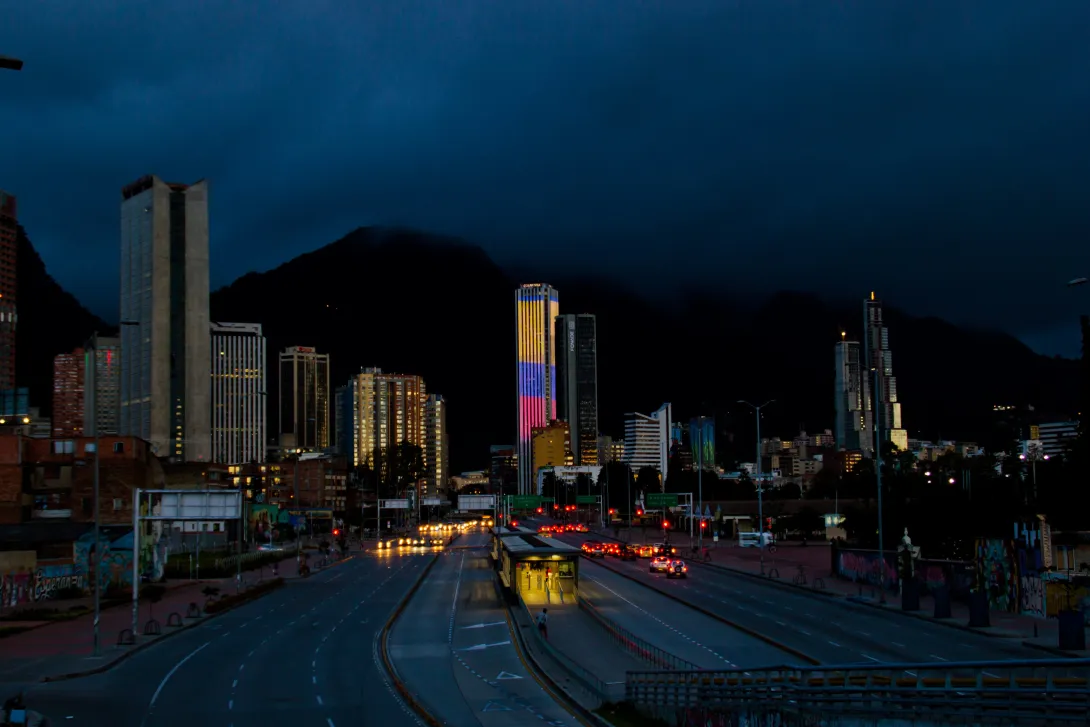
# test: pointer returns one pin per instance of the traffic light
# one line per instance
(539, 511)
(665, 524)
(768, 521)
(612, 511)
(555, 506)
(336, 531)
(703, 524)
(639, 511)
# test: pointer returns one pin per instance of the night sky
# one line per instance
(936, 151)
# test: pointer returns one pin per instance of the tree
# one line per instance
(648, 480)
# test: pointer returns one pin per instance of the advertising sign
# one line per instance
(702, 441)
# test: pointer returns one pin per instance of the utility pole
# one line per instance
(878, 479)
(760, 483)
(96, 567)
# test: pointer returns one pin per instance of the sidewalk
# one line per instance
(59, 649)
(816, 563)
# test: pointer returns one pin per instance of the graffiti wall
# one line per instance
(116, 567)
(861, 566)
(40, 583)
(16, 587)
(997, 573)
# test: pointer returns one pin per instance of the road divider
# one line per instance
(711, 614)
(384, 647)
(634, 644)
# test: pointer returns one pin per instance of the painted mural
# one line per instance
(997, 573)
(16, 588)
(41, 583)
(116, 566)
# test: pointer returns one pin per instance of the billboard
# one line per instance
(702, 441)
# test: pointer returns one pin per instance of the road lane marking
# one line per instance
(234, 684)
(933, 656)
(320, 702)
(314, 680)
(230, 704)
(898, 645)
(806, 632)
(863, 632)
(330, 722)
(170, 673)
(781, 623)
(865, 656)
(481, 647)
(835, 644)
(481, 626)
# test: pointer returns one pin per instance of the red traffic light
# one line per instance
(539, 510)
(612, 511)
(555, 506)
(639, 511)
(665, 524)
(336, 532)
(703, 524)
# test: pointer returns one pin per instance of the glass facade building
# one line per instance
(878, 378)
(305, 405)
(577, 383)
(238, 393)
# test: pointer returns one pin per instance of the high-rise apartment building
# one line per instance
(577, 383)
(647, 439)
(878, 377)
(8, 290)
(238, 393)
(378, 411)
(304, 399)
(850, 429)
(102, 403)
(436, 447)
(165, 343)
(68, 393)
(537, 306)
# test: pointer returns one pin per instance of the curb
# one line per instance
(699, 609)
(1052, 650)
(147, 644)
(384, 638)
(547, 683)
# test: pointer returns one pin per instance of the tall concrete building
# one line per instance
(577, 383)
(305, 405)
(102, 403)
(878, 378)
(647, 439)
(436, 447)
(850, 428)
(536, 307)
(8, 290)
(378, 411)
(165, 343)
(238, 393)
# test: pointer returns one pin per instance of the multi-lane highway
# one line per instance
(826, 629)
(452, 646)
(304, 655)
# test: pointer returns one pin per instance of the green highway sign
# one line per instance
(586, 499)
(524, 502)
(661, 499)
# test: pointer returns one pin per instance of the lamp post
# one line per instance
(93, 387)
(878, 479)
(700, 483)
(760, 486)
(11, 64)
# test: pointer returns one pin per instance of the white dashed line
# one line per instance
(231, 704)
(320, 702)
(234, 684)
(933, 656)
(834, 644)
(871, 658)
(314, 680)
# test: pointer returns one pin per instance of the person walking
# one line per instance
(543, 623)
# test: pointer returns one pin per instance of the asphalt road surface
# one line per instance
(303, 655)
(452, 647)
(830, 630)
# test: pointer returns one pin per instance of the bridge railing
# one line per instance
(1058, 689)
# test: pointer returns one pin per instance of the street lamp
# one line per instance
(760, 488)
(11, 64)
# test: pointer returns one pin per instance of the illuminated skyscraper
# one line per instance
(238, 393)
(304, 399)
(537, 306)
(436, 448)
(577, 383)
(378, 411)
(850, 421)
(878, 366)
(166, 379)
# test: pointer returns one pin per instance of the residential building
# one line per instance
(550, 447)
(68, 393)
(238, 393)
(8, 289)
(378, 411)
(102, 403)
(318, 480)
(577, 383)
(647, 439)
(610, 450)
(850, 423)
(304, 399)
(878, 378)
(165, 344)
(436, 446)
(536, 305)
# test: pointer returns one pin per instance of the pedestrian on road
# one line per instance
(543, 623)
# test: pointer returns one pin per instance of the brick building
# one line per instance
(68, 394)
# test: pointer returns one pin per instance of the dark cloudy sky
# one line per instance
(937, 151)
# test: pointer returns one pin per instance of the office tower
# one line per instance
(436, 449)
(304, 399)
(378, 411)
(647, 440)
(878, 366)
(850, 429)
(549, 445)
(537, 306)
(503, 469)
(577, 383)
(68, 394)
(238, 393)
(165, 343)
(8, 290)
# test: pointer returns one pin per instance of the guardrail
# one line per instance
(634, 644)
(586, 679)
(1056, 690)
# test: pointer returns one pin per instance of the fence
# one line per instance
(599, 689)
(1056, 691)
(634, 644)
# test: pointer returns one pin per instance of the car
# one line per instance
(627, 553)
(677, 569)
(582, 528)
(593, 549)
(645, 551)
(545, 531)
(664, 549)
(659, 564)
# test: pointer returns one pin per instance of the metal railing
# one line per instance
(586, 679)
(1056, 690)
(634, 644)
